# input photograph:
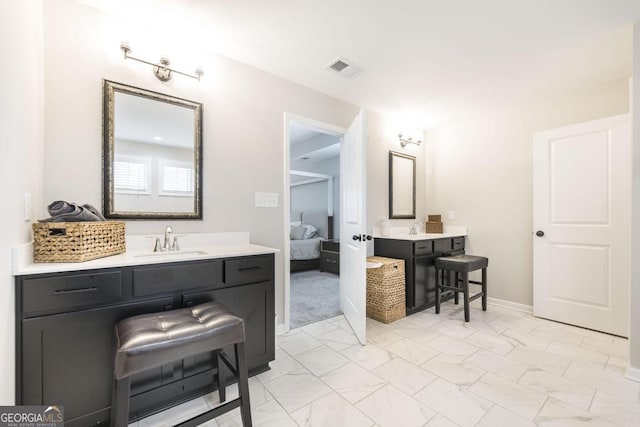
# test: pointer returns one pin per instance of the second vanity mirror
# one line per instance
(402, 186)
(152, 154)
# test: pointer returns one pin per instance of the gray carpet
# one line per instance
(315, 296)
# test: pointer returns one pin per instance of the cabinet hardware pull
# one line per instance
(74, 291)
(255, 267)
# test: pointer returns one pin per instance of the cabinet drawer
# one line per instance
(175, 277)
(330, 257)
(458, 243)
(423, 247)
(330, 261)
(248, 270)
(443, 245)
(330, 246)
(67, 292)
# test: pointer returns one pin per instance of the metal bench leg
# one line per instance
(222, 377)
(484, 289)
(120, 402)
(456, 284)
(438, 290)
(465, 290)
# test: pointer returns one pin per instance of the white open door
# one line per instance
(353, 247)
(582, 224)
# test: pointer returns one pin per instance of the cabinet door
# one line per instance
(255, 304)
(424, 281)
(68, 359)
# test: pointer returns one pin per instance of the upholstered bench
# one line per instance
(456, 266)
(150, 340)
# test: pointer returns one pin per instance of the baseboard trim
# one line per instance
(510, 305)
(280, 329)
(633, 374)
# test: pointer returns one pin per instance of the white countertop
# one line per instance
(139, 252)
(402, 233)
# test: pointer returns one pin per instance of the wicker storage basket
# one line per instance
(433, 227)
(386, 290)
(433, 224)
(77, 241)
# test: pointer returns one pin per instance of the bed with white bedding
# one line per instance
(306, 233)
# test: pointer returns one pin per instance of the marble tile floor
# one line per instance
(504, 368)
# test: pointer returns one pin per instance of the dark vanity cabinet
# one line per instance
(65, 331)
(419, 257)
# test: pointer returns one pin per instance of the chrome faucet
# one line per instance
(414, 228)
(169, 244)
(166, 246)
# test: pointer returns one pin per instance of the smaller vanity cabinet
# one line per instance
(419, 257)
(65, 331)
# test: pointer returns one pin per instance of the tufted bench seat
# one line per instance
(151, 340)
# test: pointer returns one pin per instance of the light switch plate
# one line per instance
(266, 200)
(451, 215)
(27, 207)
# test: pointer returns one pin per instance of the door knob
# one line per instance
(362, 237)
(539, 233)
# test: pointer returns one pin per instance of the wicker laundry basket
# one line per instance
(386, 290)
(77, 241)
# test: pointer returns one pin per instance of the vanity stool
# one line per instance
(151, 340)
(461, 265)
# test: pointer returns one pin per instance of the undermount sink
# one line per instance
(419, 236)
(170, 254)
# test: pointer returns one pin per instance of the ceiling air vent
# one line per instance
(343, 67)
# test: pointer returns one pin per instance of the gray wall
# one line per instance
(635, 209)
(313, 196)
(482, 169)
(20, 155)
(309, 197)
(243, 141)
(383, 137)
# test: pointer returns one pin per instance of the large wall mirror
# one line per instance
(402, 186)
(152, 154)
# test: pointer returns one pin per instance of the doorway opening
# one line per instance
(314, 224)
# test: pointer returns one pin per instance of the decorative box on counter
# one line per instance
(77, 241)
(386, 300)
(433, 224)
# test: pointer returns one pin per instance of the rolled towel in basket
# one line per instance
(60, 207)
(62, 211)
(94, 211)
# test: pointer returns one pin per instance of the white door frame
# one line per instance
(286, 204)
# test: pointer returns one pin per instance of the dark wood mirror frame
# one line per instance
(108, 131)
(399, 201)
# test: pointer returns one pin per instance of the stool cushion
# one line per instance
(150, 340)
(462, 263)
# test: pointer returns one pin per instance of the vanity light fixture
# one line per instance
(409, 140)
(161, 69)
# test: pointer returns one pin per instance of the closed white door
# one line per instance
(353, 247)
(582, 224)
